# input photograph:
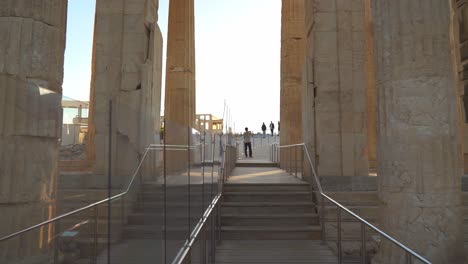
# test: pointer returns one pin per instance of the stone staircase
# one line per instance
(268, 212)
(146, 221)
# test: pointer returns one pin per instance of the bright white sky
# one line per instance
(237, 56)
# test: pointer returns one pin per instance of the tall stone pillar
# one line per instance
(180, 66)
(419, 147)
(126, 68)
(371, 92)
(335, 90)
(292, 62)
(31, 72)
(179, 113)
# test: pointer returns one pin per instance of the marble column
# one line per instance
(336, 87)
(292, 63)
(418, 138)
(371, 92)
(31, 73)
(180, 66)
(126, 68)
(179, 113)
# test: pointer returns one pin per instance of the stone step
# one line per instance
(300, 219)
(309, 232)
(158, 219)
(239, 187)
(234, 208)
(256, 164)
(86, 227)
(286, 196)
(174, 232)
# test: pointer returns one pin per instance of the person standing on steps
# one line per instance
(272, 127)
(264, 129)
(247, 142)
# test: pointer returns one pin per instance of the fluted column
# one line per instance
(292, 62)
(180, 65)
(371, 93)
(179, 113)
(31, 73)
(418, 138)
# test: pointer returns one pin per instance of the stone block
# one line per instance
(325, 21)
(324, 6)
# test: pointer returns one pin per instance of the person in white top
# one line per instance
(247, 142)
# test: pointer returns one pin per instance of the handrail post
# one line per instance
(203, 245)
(363, 241)
(213, 238)
(324, 234)
(290, 160)
(302, 162)
(295, 159)
(409, 259)
(95, 233)
(56, 246)
(338, 218)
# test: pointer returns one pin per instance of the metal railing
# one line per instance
(290, 164)
(212, 214)
(106, 201)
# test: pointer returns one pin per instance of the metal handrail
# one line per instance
(320, 191)
(106, 200)
(182, 254)
(180, 258)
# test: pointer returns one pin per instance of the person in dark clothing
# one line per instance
(247, 142)
(263, 129)
(272, 127)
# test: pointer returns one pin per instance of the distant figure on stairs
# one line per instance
(264, 129)
(247, 142)
(272, 127)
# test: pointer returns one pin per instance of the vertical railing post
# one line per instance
(290, 160)
(363, 241)
(295, 159)
(338, 219)
(323, 219)
(213, 237)
(409, 258)
(95, 235)
(302, 162)
(203, 245)
(56, 242)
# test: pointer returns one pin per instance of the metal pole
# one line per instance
(302, 163)
(56, 246)
(409, 258)
(203, 245)
(109, 186)
(213, 238)
(95, 233)
(290, 160)
(322, 206)
(338, 218)
(295, 158)
(363, 241)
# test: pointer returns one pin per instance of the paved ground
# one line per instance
(261, 175)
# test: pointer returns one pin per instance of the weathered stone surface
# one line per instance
(31, 72)
(292, 63)
(180, 94)
(371, 92)
(127, 67)
(418, 138)
(335, 88)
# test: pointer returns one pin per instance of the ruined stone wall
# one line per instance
(335, 89)
(127, 67)
(31, 73)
